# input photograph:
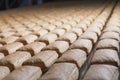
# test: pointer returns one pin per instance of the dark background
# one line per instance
(8, 4)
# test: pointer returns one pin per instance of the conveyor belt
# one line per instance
(61, 41)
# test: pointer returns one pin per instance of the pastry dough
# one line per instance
(33, 48)
(59, 31)
(6, 34)
(41, 32)
(15, 60)
(27, 39)
(67, 27)
(59, 46)
(89, 35)
(4, 71)
(106, 56)
(24, 73)
(76, 56)
(112, 28)
(48, 38)
(83, 44)
(102, 72)
(110, 35)
(108, 44)
(61, 71)
(10, 48)
(69, 37)
(94, 29)
(77, 31)
(22, 33)
(2, 55)
(43, 60)
(8, 40)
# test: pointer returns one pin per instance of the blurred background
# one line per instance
(8, 4)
